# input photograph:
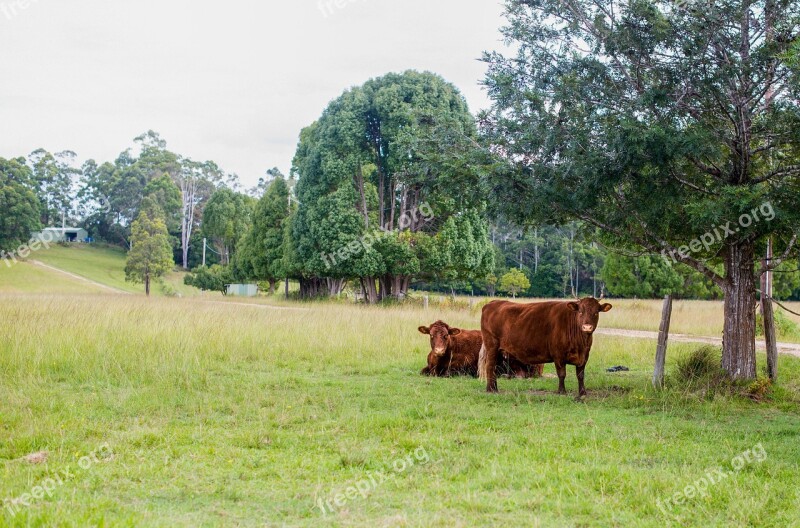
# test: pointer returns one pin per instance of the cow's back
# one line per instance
(531, 333)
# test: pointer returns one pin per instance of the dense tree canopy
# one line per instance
(377, 184)
(660, 124)
(19, 205)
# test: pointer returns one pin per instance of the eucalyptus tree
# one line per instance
(55, 176)
(670, 126)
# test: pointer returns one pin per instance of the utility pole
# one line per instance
(204, 252)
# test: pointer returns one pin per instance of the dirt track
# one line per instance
(783, 348)
(78, 277)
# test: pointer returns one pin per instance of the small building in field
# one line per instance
(63, 234)
(242, 290)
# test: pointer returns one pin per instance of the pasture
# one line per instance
(210, 412)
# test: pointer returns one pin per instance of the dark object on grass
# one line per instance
(618, 368)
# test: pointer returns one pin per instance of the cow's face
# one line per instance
(440, 336)
(588, 313)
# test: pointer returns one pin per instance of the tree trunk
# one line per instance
(334, 286)
(406, 285)
(286, 288)
(739, 334)
(360, 184)
(397, 287)
(272, 283)
(392, 207)
(368, 286)
(310, 288)
(385, 287)
(187, 216)
(147, 285)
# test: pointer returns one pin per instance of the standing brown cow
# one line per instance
(456, 351)
(546, 332)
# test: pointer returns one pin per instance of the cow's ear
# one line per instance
(424, 330)
(606, 307)
(573, 306)
(454, 331)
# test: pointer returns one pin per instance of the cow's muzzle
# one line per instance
(439, 351)
(588, 328)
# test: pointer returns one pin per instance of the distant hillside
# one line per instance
(78, 268)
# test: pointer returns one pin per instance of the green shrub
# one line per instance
(784, 327)
(702, 364)
(168, 289)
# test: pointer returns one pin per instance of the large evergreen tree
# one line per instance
(19, 205)
(150, 256)
(260, 255)
(658, 123)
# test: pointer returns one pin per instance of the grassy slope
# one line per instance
(104, 265)
(231, 415)
(24, 277)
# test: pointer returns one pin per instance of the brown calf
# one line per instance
(453, 351)
(456, 351)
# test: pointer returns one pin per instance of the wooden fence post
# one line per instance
(663, 337)
(768, 315)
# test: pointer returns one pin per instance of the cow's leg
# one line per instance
(561, 370)
(489, 367)
(579, 374)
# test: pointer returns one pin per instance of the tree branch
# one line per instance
(769, 266)
(665, 247)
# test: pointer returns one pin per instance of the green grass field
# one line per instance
(205, 413)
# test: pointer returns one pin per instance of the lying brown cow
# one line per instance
(456, 351)
(453, 351)
(547, 332)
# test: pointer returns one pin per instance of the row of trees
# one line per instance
(49, 190)
(572, 258)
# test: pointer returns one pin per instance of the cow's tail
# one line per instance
(482, 371)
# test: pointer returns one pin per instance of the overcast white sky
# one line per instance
(232, 81)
